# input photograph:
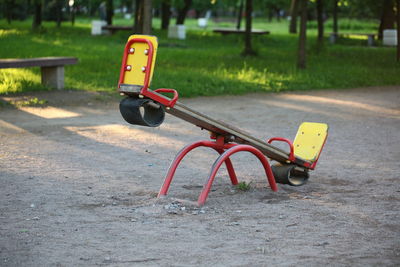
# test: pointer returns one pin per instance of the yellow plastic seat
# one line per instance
(308, 143)
(138, 63)
(309, 140)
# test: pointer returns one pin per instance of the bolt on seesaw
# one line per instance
(146, 107)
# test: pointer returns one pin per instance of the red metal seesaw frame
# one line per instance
(225, 150)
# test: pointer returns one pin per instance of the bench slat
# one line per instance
(114, 27)
(241, 31)
(36, 62)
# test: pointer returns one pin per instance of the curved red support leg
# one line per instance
(174, 165)
(231, 170)
(217, 164)
(181, 154)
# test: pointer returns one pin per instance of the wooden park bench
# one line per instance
(52, 68)
(225, 31)
(371, 37)
(114, 28)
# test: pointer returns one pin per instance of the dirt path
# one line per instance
(78, 185)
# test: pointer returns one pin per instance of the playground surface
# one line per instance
(79, 185)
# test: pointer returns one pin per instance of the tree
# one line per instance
(335, 17)
(165, 14)
(9, 6)
(37, 17)
(274, 7)
(388, 17)
(240, 14)
(14, 10)
(147, 17)
(72, 11)
(301, 59)
(398, 30)
(109, 11)
(58, 6)
(202, 6)
(138, 21)
(248, 49)
(320, 21)
(143, 17)
(294, 10)
(182, 11)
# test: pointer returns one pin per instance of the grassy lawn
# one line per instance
(205, 63)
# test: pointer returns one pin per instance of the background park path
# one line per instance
(78, 185)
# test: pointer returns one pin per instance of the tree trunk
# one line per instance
(109, 11)
(278, 14)
(239, 20)
(9, 10)
(138, 27)
(59, 12)
(335, 16)
(143, 17)
(301, 60)
(147, 17)
(248, 49)
(294, 10)
(320, 19)
(72, 10)
(388, 17)
(165, 14)
(180, 20)
(398, 30)
(37, 18)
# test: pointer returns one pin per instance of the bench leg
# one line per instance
(53, 77)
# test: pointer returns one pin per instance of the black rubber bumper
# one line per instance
(143, 112)
(287, 174)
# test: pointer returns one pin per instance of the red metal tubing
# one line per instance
(231, 170)
(217, 164)
(291, 155)
(171, 103)
(174, 165)
(181, 154)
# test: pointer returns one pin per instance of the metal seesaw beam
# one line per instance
(219, 128)
(232, 133)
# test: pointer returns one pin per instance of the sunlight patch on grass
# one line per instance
(265, 79)
(18, 80)
(5, 33)
(43, 41)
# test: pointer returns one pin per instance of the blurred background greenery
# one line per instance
(205, 63)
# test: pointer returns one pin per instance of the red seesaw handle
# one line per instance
(291, 155)
(172, 102)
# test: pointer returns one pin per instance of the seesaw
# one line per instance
(146, 107)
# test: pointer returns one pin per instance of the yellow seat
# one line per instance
(135, 66)
(137, 70)
(309, 140)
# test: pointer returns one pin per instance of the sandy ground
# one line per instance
(79, 185)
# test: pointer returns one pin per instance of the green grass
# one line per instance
(243, 186)
(204, 64)
(29, 102)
